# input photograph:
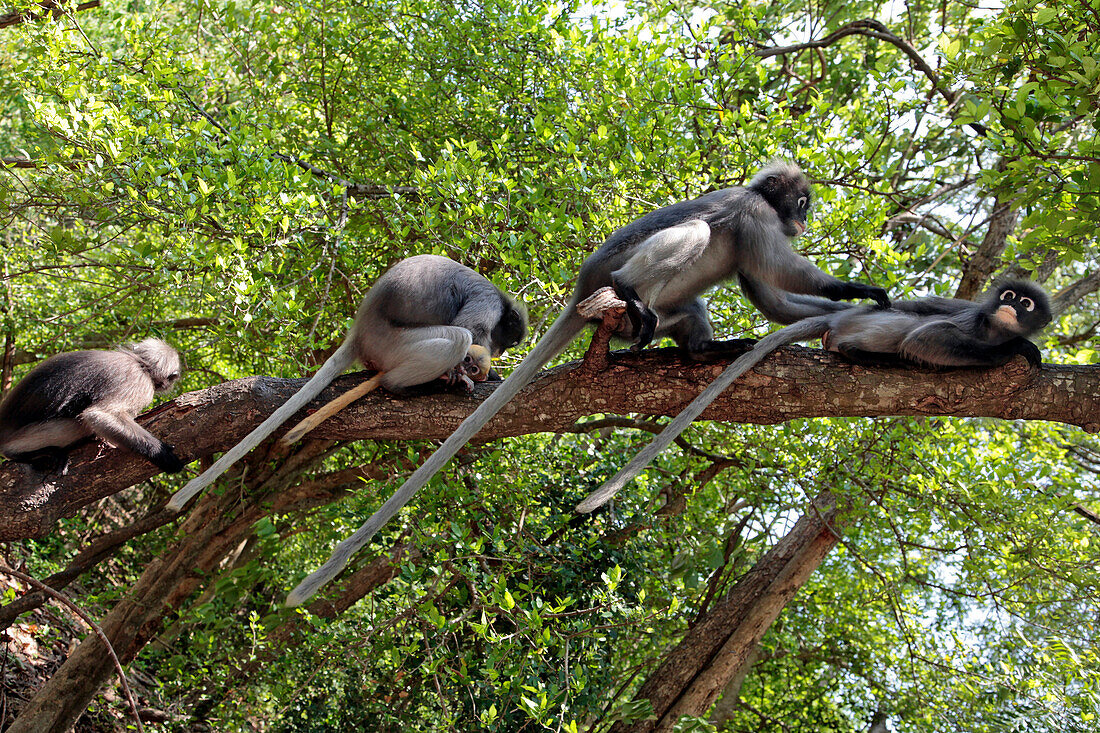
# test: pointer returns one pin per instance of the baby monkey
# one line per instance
(72, 396)
(935, 332)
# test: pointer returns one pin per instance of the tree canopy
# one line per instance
(232, 177)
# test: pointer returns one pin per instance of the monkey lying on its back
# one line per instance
(71, 396)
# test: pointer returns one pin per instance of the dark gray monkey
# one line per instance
(72, 396)
(929, 331)
(659, 265)
(416, 323)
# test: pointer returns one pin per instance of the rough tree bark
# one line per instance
(216, 525)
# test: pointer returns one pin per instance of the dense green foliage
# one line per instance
(191, 162)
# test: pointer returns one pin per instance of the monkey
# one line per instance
(77, 394)
(925, 332)
(426, 316)
(476, 367)
(659, 265)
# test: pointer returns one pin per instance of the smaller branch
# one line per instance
(655, 428)
(925, 221)
(92, 554)
(42, 587)
(603, 304)
(1072, 293)
(875, 29)
(1002, 221)
(353, 190)
(1087, 513)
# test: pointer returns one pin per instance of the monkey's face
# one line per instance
(167, 382)
(510, 330)
(1021, 308)
(791, 198)
(477, 362)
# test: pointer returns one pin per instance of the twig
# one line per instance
(875, 29)
(42, 587)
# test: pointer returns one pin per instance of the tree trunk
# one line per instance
(987, 257)
(718, 647)
(215, 527)
(135, 619)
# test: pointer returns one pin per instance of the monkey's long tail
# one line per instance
(329, 409)
(567, 325)
(333, 366)
(806, 329)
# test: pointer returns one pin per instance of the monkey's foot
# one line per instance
(648, 329)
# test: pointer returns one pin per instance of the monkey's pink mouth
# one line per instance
(1006, 314)
(800, 227)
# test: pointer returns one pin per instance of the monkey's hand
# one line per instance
(880, 297)
(457, 377)
(854, 291)
(167, 460)
(873, 292)
(1030, 352)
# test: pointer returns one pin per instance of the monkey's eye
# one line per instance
(1008, 295)
(1028, 304)
(802, 202)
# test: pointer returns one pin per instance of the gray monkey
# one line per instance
(418, 322)
(659, 265)
(936, 332)
(72, 396)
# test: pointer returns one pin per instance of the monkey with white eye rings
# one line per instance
(425, 317)
(659, 265)
(929, 331)
(72, 396)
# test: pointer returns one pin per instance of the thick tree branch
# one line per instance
(792, 383)
(717, 647)
(56, 8)
(90, 555)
